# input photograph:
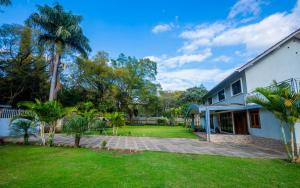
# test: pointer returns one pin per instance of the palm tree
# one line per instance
(48, 113)
(76, 125)
(284, 103)
(116, 120)
(61, 31)
(23, 125)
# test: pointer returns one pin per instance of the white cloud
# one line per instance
(180, 60)
(255, 37)
(161, 28)
(183, 79)
(201, 36)
(245, 8)
(222, 58)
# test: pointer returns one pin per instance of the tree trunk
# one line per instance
(51, 134)
(42, 133)
(292, 142)
(26, 137)
(52, 94)
(285, 142)
(117, 131)
(77, 141)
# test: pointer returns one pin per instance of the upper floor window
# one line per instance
(236, 87)
(221, 95)
(209, 100)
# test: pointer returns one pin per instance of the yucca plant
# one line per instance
(76, 125)
(284, 103)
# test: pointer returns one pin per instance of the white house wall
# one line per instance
(280, 65)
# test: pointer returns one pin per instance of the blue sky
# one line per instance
(192, 41)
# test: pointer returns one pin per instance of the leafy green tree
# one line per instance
(133, 79)
(116, 120)
(284, 103)
(24, 125)
(62, 32)
(193, 95)
(76, 125)
(23, 74)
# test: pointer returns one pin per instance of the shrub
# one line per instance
(103, 144)
(162, 121)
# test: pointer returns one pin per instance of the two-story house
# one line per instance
(226, 111)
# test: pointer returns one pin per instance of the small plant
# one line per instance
(103, 144)
(129, 133)
(76, 125)
(23, 125)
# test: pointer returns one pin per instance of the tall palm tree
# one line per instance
(60, 30)
(284, 103)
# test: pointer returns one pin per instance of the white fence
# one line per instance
(5, 115)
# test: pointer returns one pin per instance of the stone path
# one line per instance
(178, 145)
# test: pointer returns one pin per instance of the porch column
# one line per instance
(207, 118)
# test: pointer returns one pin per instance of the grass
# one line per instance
(154, 131)
(35, 166)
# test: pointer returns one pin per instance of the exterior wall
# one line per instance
(282, 64)
(229, 99)
(4, 127)
(270, 126)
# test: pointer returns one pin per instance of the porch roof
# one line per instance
(225, 107)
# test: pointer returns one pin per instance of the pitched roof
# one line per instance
(295, 34)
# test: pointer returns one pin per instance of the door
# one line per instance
(240, 122)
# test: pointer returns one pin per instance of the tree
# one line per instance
(284, 103)
(24, 125)
(193, 95)
(23, 70)
(116, 120)
(76, 125)
(61, 31)
(48, 113)
(133, 80)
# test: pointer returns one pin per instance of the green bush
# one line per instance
(162, 121)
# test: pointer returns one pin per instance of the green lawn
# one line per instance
(35, 166)
(154, 131)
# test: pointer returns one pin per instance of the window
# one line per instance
(226, 122)
(209, 100)
(212, 127)
(221, 95)
(254, 119)
(236, 87)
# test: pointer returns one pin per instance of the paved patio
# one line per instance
(178, 145)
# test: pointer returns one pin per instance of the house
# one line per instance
(225, 110)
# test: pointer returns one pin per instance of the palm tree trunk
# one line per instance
(77, 140)
(26, 137)
(52, 94)
(42, 133)
(285, 142)
(292, 142)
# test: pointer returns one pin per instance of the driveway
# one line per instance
(178, 145)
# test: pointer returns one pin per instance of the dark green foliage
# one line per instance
(23, 74)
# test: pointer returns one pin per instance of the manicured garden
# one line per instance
(153, 131)
(35, 166)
